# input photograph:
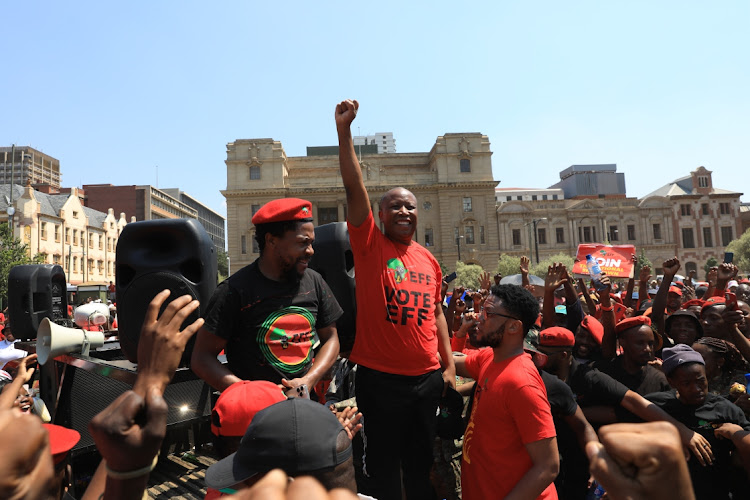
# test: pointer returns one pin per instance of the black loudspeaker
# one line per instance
(86, 393)
(334, 260)
(155, 255)
(36, 292)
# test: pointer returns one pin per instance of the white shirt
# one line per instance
(9, 353)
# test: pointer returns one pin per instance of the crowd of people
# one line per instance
(631, 389)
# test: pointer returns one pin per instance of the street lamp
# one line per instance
(536, 237)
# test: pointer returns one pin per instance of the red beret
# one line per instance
(556, 336)
(594, 327)
(282, 210)
(61, 441)
(693, 302)
(675, 289)
(632, 323)
(238, 404)
(713, 301)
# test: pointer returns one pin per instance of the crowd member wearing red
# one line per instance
(510, 448)
(400, 330)
(271, 315)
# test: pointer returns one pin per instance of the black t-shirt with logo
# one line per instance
(648, 380)
(270, 326)
(712, 482)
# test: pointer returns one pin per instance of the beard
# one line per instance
(492, 339)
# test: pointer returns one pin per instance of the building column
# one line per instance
(341, 216)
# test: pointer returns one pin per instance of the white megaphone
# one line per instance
(92, 313)
(53, 340)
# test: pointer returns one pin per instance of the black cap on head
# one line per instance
(296, 435)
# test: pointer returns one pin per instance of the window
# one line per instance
(91, 266)
(66, 264)
(44, 230)
(533, 197)
(91, 241)
(657, 231)
(57, 233)
(554, 196)
(519, 198)
(75, 214)
(56, 260)
(243, 244)
(544, 196)
(254, 209)
(255, 173)
(100, 266)
(541, 235)
(726, 235)
(631, 232)
(687, 238)
(707, 239)
(703, 181)
(467, 204)
(469, 234)
(101, 242)
(508, 198)
(428, 238)
(327, 214)
(75, 236)
(704, 208)
(724, 208)
(75, 264)
(517, 237)
(481, 235)
(465, 164)
(67, 236)
(684, 209)
(109, 243)
(559, 235)
(587, 234)
(614, 233)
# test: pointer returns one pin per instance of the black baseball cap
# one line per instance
(296, 435)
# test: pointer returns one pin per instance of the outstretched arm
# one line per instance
(358, 203)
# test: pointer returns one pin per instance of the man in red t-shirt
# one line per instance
(400, 331)
(510, 445)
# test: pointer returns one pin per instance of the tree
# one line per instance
(467, 275)
(507, 265)
(541, 268)
(222, 262)
(12, 253)
(642, 261)
(741, 249)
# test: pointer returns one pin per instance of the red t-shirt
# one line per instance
(397, 289)
(461, 344)
(510, 410)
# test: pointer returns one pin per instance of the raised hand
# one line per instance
(346, 111)
(671, 266)
(524, 265)
(713, 276)
(484, 280)
(557, 275)
(645, 274)
(727, 271)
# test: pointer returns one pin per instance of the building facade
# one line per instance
(503, 195)
(209, 219)
(383, 140)
(141, 202)
(81, 240)
(28, 165)
(453, 184)
(564, 224)
(704, 218)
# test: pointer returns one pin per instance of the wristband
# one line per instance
(608, 309)
(133, 473)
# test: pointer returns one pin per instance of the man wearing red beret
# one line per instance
(270, 316)
(638, 342)
(400, 330)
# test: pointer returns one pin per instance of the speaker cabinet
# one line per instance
(334, 260)
(174, 254)
(35, 292)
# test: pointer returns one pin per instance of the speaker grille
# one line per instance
(85, 394)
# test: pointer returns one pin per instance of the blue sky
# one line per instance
(114, 90)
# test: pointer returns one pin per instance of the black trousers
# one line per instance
(399, 430)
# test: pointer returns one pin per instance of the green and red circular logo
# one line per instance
(287, 338)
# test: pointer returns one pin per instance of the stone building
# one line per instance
(564, 224)
(80, 239)
(704, 218)
(453, 184)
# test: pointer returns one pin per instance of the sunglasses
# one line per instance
(486, 313)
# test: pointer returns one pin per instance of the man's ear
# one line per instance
(270, 239)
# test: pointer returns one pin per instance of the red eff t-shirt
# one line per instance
(397, 289)
(510, 410)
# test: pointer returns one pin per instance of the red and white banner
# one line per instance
(614, 260)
